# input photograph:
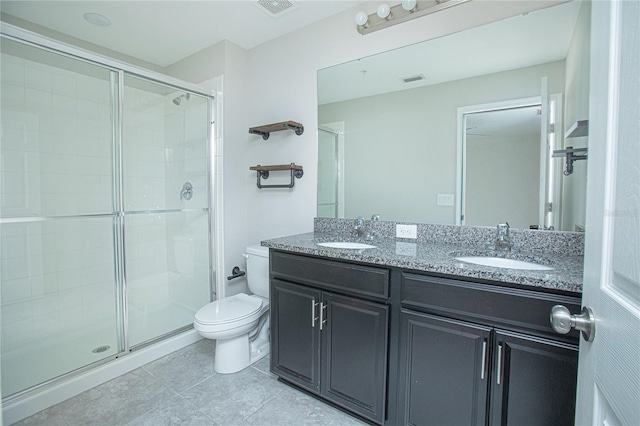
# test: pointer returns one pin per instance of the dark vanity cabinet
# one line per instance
(444, 365)
(329, 330)
(401, 347)
(475, 354)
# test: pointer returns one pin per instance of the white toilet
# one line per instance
(240, 323)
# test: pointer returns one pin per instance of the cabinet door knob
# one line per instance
(562, 321)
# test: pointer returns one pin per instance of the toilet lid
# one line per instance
(229, 309)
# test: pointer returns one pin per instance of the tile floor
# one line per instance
(182, 389)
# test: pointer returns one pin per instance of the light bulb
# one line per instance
(409, 5)
(361, 18)
(384, 11)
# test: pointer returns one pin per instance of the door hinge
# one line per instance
(552, 127)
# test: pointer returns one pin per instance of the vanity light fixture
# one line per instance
(362, 19)
(384, 12)
(410, 5)
(407, 10)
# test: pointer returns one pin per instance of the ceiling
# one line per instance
(163, 32)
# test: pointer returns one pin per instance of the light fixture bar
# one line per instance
(400, 15)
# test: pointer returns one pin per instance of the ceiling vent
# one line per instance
(276, 8)
(413, 78)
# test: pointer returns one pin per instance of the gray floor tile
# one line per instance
(185, 367)
(292, 407)
(117, 401)
(263, 365)
(177, 411)
(230, 398)
(49, 417)
(182, 389)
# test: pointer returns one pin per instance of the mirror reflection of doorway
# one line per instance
(505, 166)
(502, 168)
(330, 171)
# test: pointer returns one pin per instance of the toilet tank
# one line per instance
(258, 270)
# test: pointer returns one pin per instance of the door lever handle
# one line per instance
(562, 321)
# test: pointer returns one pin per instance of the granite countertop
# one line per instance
(441, 258)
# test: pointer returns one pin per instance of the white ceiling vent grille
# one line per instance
(276, 8)
(413, 78)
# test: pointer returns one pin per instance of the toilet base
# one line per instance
(237, 353)
(259, 352)
(232, 355)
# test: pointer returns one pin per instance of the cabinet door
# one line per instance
(534, 381)
(295, 334)
(444, 371)
(355, 355)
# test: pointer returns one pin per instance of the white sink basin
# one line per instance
(499, 262)
(347, 245)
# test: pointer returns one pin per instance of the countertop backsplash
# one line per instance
(525, 240)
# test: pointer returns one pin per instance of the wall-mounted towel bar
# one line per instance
(263, 173)
(266, 130)
(571, 154)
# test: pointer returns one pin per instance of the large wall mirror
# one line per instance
(461, 129)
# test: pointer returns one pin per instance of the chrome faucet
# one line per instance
(503, 240)
(359, 226)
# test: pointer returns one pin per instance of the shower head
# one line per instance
(178, 99)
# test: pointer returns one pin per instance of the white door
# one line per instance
(609, 367)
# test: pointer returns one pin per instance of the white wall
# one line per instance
(503, 181)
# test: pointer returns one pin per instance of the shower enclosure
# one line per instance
(105, 213)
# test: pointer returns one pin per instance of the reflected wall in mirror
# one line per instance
(397, 145)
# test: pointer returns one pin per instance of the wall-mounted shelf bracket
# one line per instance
(263, 173)
(579, 129)
(266, 130)
(571, 154)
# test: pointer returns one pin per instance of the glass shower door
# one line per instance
(57, 216)
(166, 207)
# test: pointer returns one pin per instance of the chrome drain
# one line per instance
(101, 349)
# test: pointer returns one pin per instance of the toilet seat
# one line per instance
(228, 310)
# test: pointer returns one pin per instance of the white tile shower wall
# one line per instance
(165, 145)
(186, 151)
(57, 277)
(188, 252)
(143, 150)
(56, 140)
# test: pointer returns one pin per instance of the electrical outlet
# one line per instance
(445, 199)
(407, 231)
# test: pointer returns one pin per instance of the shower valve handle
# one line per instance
(187, 191)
